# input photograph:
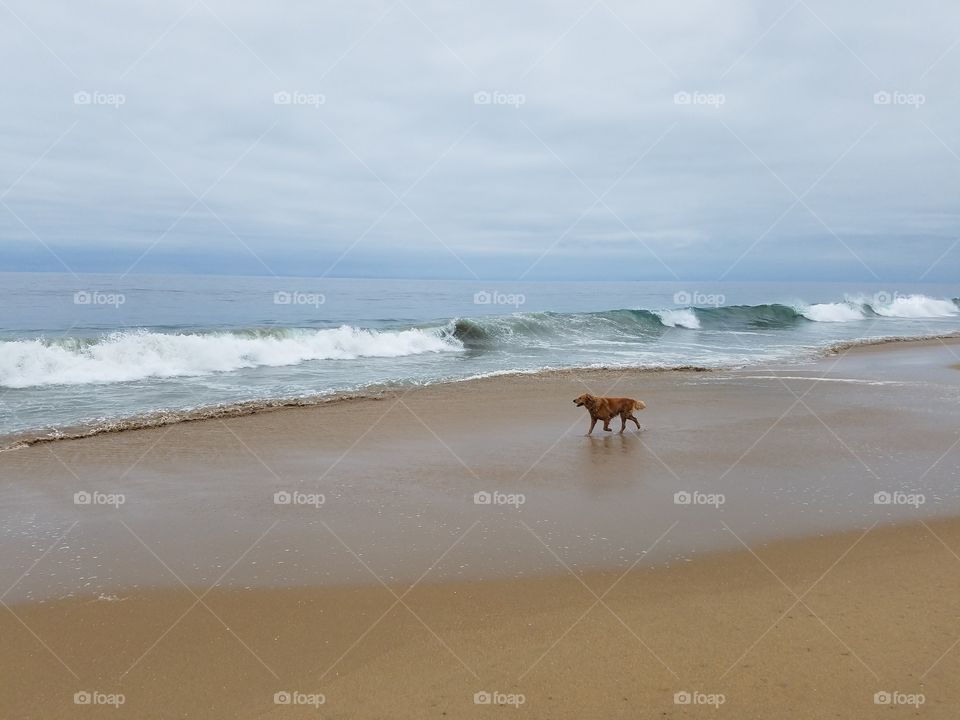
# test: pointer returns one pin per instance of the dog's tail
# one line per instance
(639, 405)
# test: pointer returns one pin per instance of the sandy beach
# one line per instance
(774, 543)
(296, 304)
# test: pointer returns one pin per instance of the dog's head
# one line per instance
(584, 400)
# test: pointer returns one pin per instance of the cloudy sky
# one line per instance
(780, 139)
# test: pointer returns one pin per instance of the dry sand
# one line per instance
(598, 596)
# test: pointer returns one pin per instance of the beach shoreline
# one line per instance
(162, 418)
(784, 537)
(772, 453)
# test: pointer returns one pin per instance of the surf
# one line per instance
(127, 356)
(637, 335)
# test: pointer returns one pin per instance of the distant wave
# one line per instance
(901, 306)
(549, 328)
(850, 309)
(140, 354)
(136, 355)
(916, 306)
(772, 315)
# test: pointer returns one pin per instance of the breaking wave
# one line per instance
(548, 327)
(140, 354)
(916, 306)
(680, 318)
(136, 355)
(834, 312)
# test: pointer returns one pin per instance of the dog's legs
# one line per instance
(623, 422)
(606, 425)
(593, 424)
(635, 421)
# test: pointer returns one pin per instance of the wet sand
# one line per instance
(803, 628)
(728, 459)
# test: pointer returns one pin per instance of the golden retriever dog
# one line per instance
(607, 408)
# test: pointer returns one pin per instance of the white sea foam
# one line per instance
(126, 356)
(901, 306)
(833, 312)
(679, 318)
(916, 306)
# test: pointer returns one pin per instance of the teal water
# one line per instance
(86, 350)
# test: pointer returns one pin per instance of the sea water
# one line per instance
(78, 352)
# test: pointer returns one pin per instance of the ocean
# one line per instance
(83, 353)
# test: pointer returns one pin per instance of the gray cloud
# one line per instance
(585, 160)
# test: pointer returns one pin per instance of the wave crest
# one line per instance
(129, 356)
(686, 318)
(916, 306)
(136, 355)
(834, 312)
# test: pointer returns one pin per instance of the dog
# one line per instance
(606, 408)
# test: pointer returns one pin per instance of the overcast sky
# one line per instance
(695, 139)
